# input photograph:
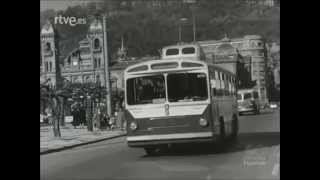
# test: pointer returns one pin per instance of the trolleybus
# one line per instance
(171, 101)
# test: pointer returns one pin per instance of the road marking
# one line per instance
(276, 169)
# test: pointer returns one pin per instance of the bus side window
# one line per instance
(233, 87)
(221, 85)
(229, 84)
(224, 84)
(217, 82)
(214, 86)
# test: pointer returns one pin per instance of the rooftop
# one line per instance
(47, 29)
(96, 25)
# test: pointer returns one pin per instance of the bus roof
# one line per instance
(170, 65)
(182, 45)
(164, 65)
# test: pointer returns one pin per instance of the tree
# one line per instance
(55, 101)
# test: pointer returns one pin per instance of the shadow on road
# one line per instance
(253, 114)
(244, 142)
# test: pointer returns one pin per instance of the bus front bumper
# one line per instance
(158, 139)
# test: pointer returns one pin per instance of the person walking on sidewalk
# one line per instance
(75, 115)
(120, 117)
(48, 111)
(82, 115)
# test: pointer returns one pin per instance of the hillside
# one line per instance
(146, 30)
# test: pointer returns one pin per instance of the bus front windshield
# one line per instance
(146, 90)
(182, 87)
(187, 87)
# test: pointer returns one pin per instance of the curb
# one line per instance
(80, 144)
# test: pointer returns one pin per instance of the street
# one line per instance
(256, 155)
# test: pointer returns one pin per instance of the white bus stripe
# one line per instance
(169, 136)
(276, 169)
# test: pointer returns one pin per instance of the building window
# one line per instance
(95, 63)
(87, 79)
(98, 79)
(96, 43)
(99, 62)
(50, 66)
(46, 67)
(69, 60)
(48, 47)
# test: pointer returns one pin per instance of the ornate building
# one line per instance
(85, 63)
(253, 50)
(48, 54)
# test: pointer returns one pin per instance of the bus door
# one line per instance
(214, 100)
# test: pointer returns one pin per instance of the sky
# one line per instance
(60, 4)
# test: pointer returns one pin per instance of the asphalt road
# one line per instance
(256, 155)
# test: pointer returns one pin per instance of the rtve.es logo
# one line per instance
(72, 21)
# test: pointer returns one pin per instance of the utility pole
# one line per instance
(181, 20)
(106, 65)
(179, 31)
(194, 27)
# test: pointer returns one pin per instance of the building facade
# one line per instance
(48, 54)
(83, 64)
(251, 47)
(86, 62)
(274, 63)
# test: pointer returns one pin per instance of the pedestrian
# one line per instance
(106, 120)
(96, 119)
(120, 117)
(82, 114)
(112, 122)
(77, 115)
(49, 115)
(73, 113)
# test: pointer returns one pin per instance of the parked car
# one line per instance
(248, 101)
(41, 118)
(274, 105)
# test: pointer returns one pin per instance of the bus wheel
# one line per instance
(222, 130)
(151, 151)
(257, 111)
(220, 145)
(235, 127)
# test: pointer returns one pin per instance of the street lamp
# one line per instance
(181, 20)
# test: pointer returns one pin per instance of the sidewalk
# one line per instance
(71, 137)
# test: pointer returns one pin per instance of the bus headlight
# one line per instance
(133, 126)
(203, 122)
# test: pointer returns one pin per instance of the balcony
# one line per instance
(97, 50)
(48, 53)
